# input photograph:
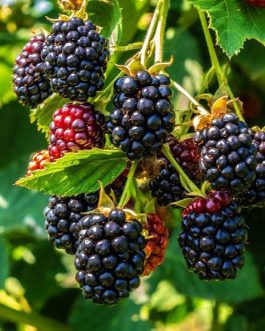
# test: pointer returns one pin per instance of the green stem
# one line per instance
(126, 190)
(186, 181)
(160, 31)
(38, 321)
(216, 64)
(150, 33)
(211, 48)
(130, 47)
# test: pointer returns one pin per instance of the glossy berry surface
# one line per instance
(213, 237)
(31, 84)
(61, 217)
(75, 57)
(76, 127)
(255, 195)
(110, 256)
(38, 161)
(143, 115)
(258, 3)
(227, 154)
(156, 246)
(166, 186)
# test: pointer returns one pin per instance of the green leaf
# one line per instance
(175, 270)
(107, 14)
(4, 258)
(234, 22)
(43, 113)
(182, 203)
(77, 173)
(87, 316)
(19, 209)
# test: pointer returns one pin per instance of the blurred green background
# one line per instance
(37, 285)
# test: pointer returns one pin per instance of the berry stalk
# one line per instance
(126, 191)
(160, 31)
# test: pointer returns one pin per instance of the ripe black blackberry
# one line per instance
(110, 256)
(213, 237)
(166, 186)
(75, 57)
(76, 127)
(143, 115)
(61, 217)
(31, 84)
(227, 154)
(255, 195)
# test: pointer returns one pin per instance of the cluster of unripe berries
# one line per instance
(114, 247)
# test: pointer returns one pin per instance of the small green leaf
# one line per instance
(156, 68)
(77, 173)
(181, 203)
(43, 113)
(107, 14)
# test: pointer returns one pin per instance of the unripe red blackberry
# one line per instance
(227, 154)
(38, 161)
(76, 127)
(166, 186)
(255, 195)
(156, 245)
(258, 3)
(213, 237)
(187, 154)
(75, 57)
(61, 217)
(143, 115)
(31, 84)
(110, 256)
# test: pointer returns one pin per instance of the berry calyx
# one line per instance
(110, 256)
(75, 58)
(38, 161)
(76, 127)
(213, 237)
(143, 117)
(31, 84)
(156, 245)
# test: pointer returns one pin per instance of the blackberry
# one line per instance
(156, 246)
(76, 127)
(31, 84)
(187, 154)
(227, 154)
(143, 115)
(213, 237)
(255, 195)
(258, 3)
(38, 161)
(166, 186)
(61, 217)
(75, 57)
(110, 256)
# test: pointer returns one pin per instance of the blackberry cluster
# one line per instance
(255, 195)
(76, 127)
(61, 217)
(187, 154)
(166, 186)
(213, 237)
(227, 154)
(38, 161)
(110, 256)
(143, 116)
(75, 57)
(30, 82)
(258, 3)
(156, 246)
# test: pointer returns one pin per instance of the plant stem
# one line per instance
(190, 98)
(189, 185)
(126, 190)
(160, 31)
(38, 321)
(129, 47)
(150, 33)
(216, 64)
